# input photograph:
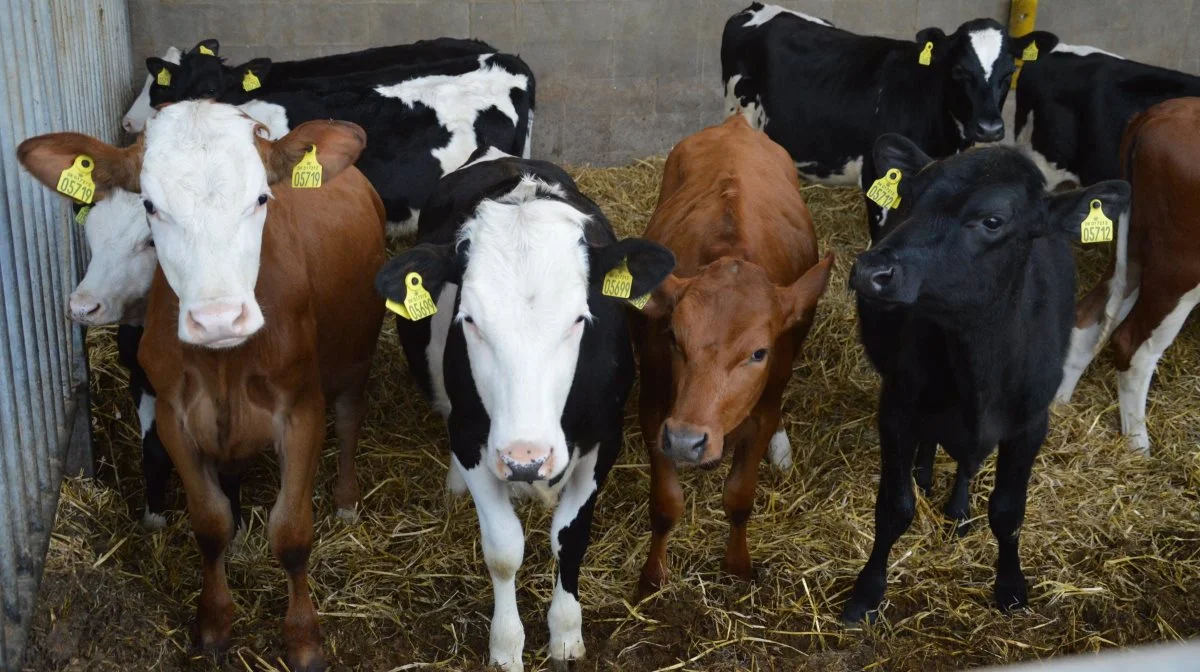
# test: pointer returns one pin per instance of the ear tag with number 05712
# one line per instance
(250, 81)
(1096, 227)
(307, 173)
(418, 304)
(926, 56)
(76, 180)
(886, 190)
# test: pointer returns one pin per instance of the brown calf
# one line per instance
(220, 403)
(1154, 280)
(717, 343)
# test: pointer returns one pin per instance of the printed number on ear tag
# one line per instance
(1096, 227)
(618, 282)
(418, 304)
(206, 51)
(885, 191)
(76, 180)
(1030, 53)
(250, 82)
(926, 56)
(163, 78)
(640, 302)
(82, 215)
(307, 173)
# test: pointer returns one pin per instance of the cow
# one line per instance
(965, 305)
(717, 340)
(826, 94)
(1073, 103)
(424, 119)
(527, 359)
(1154, 280)
(254, 321)
(134, 120)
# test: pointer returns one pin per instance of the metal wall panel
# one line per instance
(64, 65)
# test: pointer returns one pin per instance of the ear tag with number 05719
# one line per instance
(886, 190)
(418, 304)
(76, 180)
(307, 173)
(926, 56)
(1096, 227)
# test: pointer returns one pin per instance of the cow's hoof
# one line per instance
(740, 568)
(859, 613)
(649, 585)
(309, 660)
(347, 516)
(563, 664)
(508, 662)
(1011, 594)
(961, 527)
(567, 650)
(1139, 442)
(153, 521)
(212, 642)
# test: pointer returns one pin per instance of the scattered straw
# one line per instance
(1111, 543)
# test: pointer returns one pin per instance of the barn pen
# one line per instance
(64, 63)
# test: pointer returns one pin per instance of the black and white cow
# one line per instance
(1073, 103)
(423, 119)
(826, 94)
(965, 304)
(527, 360)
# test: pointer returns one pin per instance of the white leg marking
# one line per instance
(146, 413)
(1134, 385)
(503, 543)
(456, 483)
(779, 451)
(566, 617)
(153, 521)
(1123, 287)
(1085, 345)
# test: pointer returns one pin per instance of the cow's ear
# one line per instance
(893, 150)
(108, 167)
(1069, 209)
(936, 37)
(800, 297)
(435, 264)
(665, 296)
(337, 144)
(155, 66)
(252, 74)
(648, 263)
(209, 47)
(1044, 40)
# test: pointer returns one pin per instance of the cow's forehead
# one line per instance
(737, 290)
(199, 150)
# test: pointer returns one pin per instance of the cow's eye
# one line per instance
(758, 355)
(262, 200)
(149, 244)
(580, 319)
(468, 319)
(992, 223)
(150, 209)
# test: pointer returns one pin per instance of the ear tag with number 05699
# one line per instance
(418, 304)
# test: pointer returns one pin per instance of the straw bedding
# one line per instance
(1111, 542)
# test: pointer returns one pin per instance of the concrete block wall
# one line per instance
(621, 79)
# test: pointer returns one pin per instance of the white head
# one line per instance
(122, 263)
(205, 172)
(135, 119)
(527, 275)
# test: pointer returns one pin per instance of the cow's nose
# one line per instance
(990, 130)
(85, 308)
(877, 279)
(683, 444)
(526, 461)
(219, 324)
(127, 125)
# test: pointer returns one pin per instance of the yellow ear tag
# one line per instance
(418, 304)
(250, 82)
(1096, 227)
(307, 173)
(1030, 53)
(82, 215)
(206, 51)
(885, 191)
(618, 282)
(164, 77)
(926, 56)
(640, 301)
(76, 180)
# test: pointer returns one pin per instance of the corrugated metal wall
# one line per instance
(64, 65)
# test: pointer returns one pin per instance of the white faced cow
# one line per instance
(529, 362)
(134, 120)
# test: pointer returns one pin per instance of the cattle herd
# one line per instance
(240, 242)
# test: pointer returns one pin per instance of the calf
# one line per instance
(424, 118)
(237, 245)
(716, 350)
(964, 307)
(134, 120)
(1073, 104)
(1154, 281)
(527, 359)
(826, 94)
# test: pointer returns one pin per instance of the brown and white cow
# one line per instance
(1154, 280)
(254, 320)
(717, 343)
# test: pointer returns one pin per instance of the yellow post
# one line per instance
(1022, 17)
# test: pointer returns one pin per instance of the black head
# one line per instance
(202, 74)
(977, 64)
(965, 226)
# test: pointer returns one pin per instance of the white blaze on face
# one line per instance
(986, 44)
(524, 289)
(203, 174)
(122, 262)
(135, 119)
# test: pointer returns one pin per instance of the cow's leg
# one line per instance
(895, 505)
(958, 507)
(349, 411)
(1139, 343)
(570, 533)
(740, 487)
(156, 465)
(212, 525)
(923, 473)
(1089, 329)
(1006, 510)
(503, 543)
(666, 497)
(290, 530)
(666, 505)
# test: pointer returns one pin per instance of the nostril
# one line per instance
(239, 322)
(94, 309)
(193, 324)
(700, 443)
(881, 279)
